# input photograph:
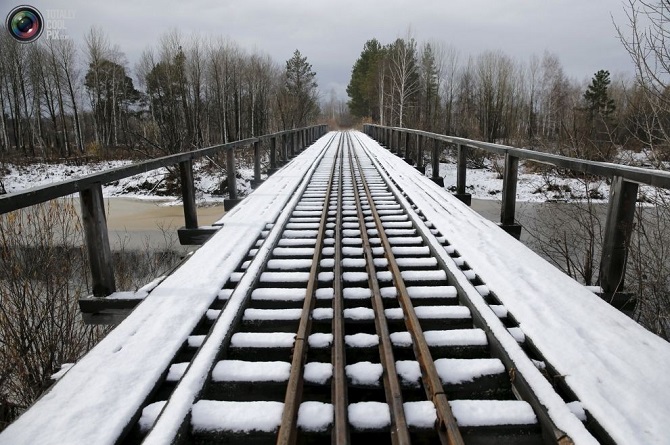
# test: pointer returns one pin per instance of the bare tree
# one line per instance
(404, 74)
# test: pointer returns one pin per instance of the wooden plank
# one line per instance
(508, 207)
(618, 228)
(97, 241)
(231, 171)
(188, 194)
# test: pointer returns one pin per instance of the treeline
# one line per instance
(59, 98)
(494, 98)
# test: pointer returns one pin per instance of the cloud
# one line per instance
(332, 33)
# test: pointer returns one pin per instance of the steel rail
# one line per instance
(191, 385)
(521, 383)
(392, 387)
(339, 395)
(446, 426)
(287, 434)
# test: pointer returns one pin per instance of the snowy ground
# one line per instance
(152, 185)
(482, 183)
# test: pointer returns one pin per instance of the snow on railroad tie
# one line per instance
(297, 242)
(278, 294)
(405, 240)
(299, 233)
(244, 371)
(284, 277)
(289, 264)
(247, 417)
(431, 312)
(452, 337)
(364, 373)
(409, 251)
(452, 371)
(293, 251)
(419, 292)
(415, 275)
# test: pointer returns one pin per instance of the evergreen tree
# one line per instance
(597, 97)
(363, 88)
(298, 102)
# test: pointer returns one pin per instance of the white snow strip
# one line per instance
(361, 340)
(243, 371)
(454, 371)
(357, 293)
(364, 373)
(420, 414)
(195, 341)
(452, 337)
(369, 415)
(284, 277)
(322, 313)
(359, 313)
(262, 340)
(319, 373)
(431, 312)
(238, 417)
(278, 294)
(419, 292)
(253, 314)
(315, 416)
(492, 412)
(176, 371)
(289, 264)
(150, 414)
(320, 340)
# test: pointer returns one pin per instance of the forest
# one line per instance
(492, 97)
(191, 92)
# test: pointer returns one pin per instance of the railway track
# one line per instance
(352, 320)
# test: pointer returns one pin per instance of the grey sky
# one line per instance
(332, 33)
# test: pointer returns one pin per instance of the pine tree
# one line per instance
(363, 86)
(597, 97)
(298, 100)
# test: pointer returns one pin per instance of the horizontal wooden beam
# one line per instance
(638, 175)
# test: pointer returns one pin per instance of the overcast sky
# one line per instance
(332, 33)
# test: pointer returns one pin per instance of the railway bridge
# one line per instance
(349, 299)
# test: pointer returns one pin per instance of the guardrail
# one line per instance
(283, 146)
(622, 199)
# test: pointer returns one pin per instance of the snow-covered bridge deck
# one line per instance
(517, 318)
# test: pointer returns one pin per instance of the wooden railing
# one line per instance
(283, 146)
(622, 199)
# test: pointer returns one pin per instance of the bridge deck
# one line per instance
(615, 368)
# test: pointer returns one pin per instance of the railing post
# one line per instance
(435, 162)
(188, 194)
(273, 155)
(461, 172)
(97, 240)
(257, 165)
(507, 210)
(285, 152)
(232, 200)
(419, 154)
(618, 229)
(408, 154)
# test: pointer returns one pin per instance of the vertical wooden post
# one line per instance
(230, 167)
(508, 208)
(435, 162)
(188, 194)
(257, 165)
(273, 155)
(97, 240)
(285, 155)
(419, 153)
(618, 228)
(408, 154)
(461, 172)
